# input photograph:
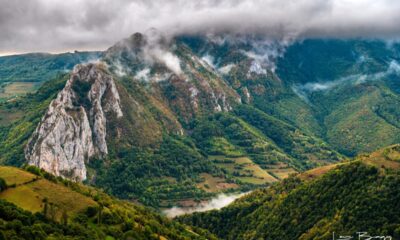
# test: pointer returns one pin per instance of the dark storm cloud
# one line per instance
(57, 25)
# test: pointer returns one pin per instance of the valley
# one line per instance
(199, 120)
(234, 132)
(357, 194)
(196, 131)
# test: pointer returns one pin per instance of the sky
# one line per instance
(61, 25)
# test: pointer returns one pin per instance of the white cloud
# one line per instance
(209, 60)
(226, 69)
(256, 68)
(143, 74)
(58, 25)
(303, 90)
(171, 61)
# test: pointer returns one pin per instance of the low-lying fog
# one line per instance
(218, 202)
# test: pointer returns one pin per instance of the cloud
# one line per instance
(58, 25)
(226, 69)
(170, 60)
(156, 50)
(143, 74)
(303, 90)
(209, 60)
(256, 68)
(144, 50)
(218, 202)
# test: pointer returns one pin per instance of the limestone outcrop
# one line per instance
(74, 127)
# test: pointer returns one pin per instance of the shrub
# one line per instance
(3, 184)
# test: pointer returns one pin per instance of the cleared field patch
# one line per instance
(383, 163)
(7, 116)
(282, 173)
(215, 184)
(388, 157)
(221, 146)
(24, 197)
(313, 173)
(13, 89)
(15, 176)
(31, 192)
(61, 196)
(244, 169)
(258, 173)
(253, 180)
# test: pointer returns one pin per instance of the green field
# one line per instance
(215, 184)
(30, 192)
(38, 205)
(15, 175)
(243, 169)
(14, 89)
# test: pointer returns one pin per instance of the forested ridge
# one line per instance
(362, 195)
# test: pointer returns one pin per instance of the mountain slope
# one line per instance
(157, 148)
(238, 113)
(37, 205)
(21, 74)
(347, 84)
(329, 88)
(346, 198)
(19, 119)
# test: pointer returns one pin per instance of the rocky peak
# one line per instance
(74, 126)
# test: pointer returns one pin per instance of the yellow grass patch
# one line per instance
(24, 197)
(31, 191)
(311, 174)
(388, 157)
(15, 176)
(245, 166)
(282, 173)
(63, 197)
(215, 184)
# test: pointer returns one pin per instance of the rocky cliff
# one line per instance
(74, 127)
(162, 86)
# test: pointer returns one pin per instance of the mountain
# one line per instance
(36, 205)
(353, 95)
(175, 121)
(21, 74)
(342, 91)
(345, 198)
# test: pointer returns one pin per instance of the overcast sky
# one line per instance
(66, 25)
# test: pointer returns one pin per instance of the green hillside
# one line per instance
(346, 198)
(185, 137)
(351, 88)
(37, 205)
(342, 91)
(22, 74)
(19, 118)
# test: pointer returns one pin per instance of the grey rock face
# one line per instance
(74, 126)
